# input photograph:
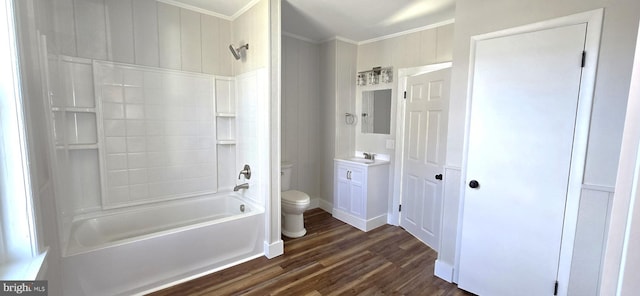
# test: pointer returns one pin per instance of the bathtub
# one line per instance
(125, 252)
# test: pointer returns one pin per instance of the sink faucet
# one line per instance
(241, 186)
(371, 156)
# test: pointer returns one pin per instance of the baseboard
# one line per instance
(326, 206)
(274, 249)
(314, 203)
(376, 222)
(443, 271)
(364, 225)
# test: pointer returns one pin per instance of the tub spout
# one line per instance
(241, 186)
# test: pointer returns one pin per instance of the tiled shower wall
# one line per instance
(159, 133)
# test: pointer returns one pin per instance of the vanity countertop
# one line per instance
(361, 161)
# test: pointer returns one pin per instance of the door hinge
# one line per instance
(405, 94)
(399, 208)
(584, 58)
(555, 289)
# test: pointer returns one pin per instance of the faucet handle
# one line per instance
(246, 171)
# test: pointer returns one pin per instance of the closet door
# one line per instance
(523, 114)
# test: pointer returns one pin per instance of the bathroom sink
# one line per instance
(362, 160)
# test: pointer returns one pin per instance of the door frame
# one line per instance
(403, 75)
(594, 20)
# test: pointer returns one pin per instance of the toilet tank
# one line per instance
(285, 181)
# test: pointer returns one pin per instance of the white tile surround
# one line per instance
(159, 131)
(136, 134)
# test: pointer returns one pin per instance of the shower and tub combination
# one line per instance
(146, 152)
(156, 152)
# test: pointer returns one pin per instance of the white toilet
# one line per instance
(294, 203)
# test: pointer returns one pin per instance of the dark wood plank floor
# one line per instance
(334, 258)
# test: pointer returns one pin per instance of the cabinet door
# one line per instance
(342, 190)
(358, 192)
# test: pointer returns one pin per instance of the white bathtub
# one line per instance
(131, 251)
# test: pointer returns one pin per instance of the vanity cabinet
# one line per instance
(361, 193)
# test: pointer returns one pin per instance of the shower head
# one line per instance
(236, 51)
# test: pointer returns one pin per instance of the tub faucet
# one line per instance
(241, 186)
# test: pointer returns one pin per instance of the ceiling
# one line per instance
(356, 20)
(361, 20)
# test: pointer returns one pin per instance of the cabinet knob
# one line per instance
(474, 184)
(439, 177)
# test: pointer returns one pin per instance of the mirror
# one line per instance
(376, 111)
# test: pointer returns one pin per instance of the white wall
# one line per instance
(429, 46)
(301, 125)
(346, 59)
(251, 27)
(612, 84)
(327, 117)
(141, 32)
(337, 92)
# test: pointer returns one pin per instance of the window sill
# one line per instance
(24, 270)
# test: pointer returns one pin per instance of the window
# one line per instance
(19, 258)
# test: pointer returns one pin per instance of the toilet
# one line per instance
(294, 203)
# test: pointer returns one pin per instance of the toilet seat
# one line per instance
(295, 197)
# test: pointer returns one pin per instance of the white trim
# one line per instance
(209, 12)
(273, 209)
(403, 74)
(598, 188)
(244, 9)
(376, 39)
(410, 31)
(18, 242)
(340, 38)
(284, 33)
(196, 9)
(314, 203)
(326, 206)
(443, 271)
(362, 224)
(614, 276)
(272, 250)
(594, 20)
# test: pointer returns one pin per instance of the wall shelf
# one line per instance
(78, 146)
(74, 109)
(226, 142)
(223, 114)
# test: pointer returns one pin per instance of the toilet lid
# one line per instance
(295, 197)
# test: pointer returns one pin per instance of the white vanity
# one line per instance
(361, 192)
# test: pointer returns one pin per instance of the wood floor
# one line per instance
(332, 259)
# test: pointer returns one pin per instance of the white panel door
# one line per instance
(523, 112)
(424, 152)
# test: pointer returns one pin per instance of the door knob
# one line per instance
(474, 184)
(439, 177)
